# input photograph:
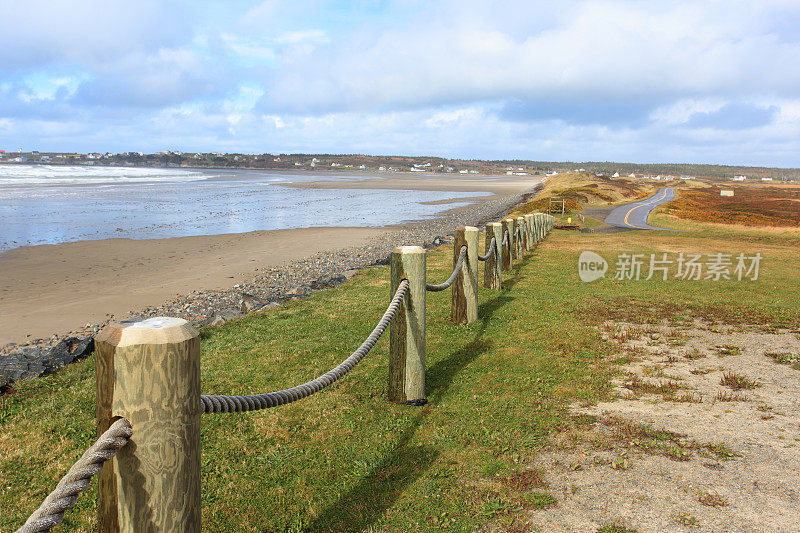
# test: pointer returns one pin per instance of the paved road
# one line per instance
(634, 216)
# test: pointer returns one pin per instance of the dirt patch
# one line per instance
(705, 436)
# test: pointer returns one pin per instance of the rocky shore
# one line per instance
(268, 289)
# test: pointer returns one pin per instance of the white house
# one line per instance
(739, 178)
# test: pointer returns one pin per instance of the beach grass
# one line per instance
(348, 460)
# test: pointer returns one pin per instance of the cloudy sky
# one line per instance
(640, 81)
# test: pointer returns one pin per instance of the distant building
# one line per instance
(739, 178)
(766, 179)
(615, 175)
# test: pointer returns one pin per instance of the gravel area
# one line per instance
(674, 477)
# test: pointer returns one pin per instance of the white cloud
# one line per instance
(43, 32)
(590, 79)
(610, 49)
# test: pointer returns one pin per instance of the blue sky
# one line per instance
(639, 81)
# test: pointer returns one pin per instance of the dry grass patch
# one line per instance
(750, 206)
(725, 396)
(727, 349)
(738, 381)
(785, 358)
(711, 498)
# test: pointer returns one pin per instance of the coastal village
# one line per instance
(370, 163)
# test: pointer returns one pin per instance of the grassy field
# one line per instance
(346, 459)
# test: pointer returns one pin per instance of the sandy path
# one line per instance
(59, 288)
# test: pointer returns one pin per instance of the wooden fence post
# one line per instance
(464, 306)
(529, 229)
(491, 267)
(148, 371)
(508, 228)
(523, 236)
(541, 223)
(407, 330)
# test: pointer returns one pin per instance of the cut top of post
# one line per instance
(155, 330)
(409, 250)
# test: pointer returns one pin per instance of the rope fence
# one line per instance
(149, 371)
(491, 251)
(78, 478)
(239, 404)
(452, 278)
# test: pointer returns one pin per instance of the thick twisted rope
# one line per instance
(452, 278)
(505, 238)
(237, 404)
(490, 252)
(78, 478)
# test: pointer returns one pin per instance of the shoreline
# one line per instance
(115, 278)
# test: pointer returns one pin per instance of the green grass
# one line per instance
(348, 460)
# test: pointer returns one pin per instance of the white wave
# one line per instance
(35, 175)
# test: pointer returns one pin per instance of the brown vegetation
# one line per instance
(582, 189)
(751, 205)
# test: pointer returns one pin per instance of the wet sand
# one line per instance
(497, 185)
(59, 288)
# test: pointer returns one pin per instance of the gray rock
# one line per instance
(328, 281)
(216, 320)
(349, 274)
(67, 351)
(297, 291)
(251, 303)
(34, 361)
(587, 230)
(221, 316)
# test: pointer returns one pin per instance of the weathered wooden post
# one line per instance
(529, 231)
(148, 371)
(407, 331)
(491, 267)
(522, 245)
(537, 226)
(508, 234)
(464, 308)
(542, 223)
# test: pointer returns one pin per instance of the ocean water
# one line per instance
(42, 204)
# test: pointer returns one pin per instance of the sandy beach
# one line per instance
(497, 185)
(56, 289)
